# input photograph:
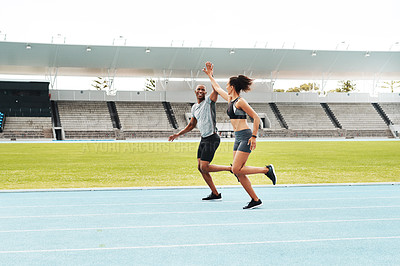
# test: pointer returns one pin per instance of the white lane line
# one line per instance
(114, 204)
(193, 212)
(204, 244)
(198, 225)
(143, 193)
(186, 202)
(93, 197)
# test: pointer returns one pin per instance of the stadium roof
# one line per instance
(187, 62)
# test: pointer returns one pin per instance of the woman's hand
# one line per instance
(252, 143)
(208, 69)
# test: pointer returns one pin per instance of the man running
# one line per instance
(204, 116)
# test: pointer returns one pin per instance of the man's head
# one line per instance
(200, 92)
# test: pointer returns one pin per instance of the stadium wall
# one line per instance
(252, 97)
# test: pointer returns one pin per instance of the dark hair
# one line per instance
(241, 83)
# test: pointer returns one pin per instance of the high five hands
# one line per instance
(208, 69)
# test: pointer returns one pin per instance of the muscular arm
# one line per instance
(214, 96)
(192, 124)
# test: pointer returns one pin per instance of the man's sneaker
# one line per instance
(234, 174)
(253, 204)
(271, 173)
(212, 196)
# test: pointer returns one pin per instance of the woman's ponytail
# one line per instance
(241, 83)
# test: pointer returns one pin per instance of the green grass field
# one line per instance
(101, 164)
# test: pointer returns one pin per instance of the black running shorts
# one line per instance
(208, 146)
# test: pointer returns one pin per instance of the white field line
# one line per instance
(198, 225)
(205, 244)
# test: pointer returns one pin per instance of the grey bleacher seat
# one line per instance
(84, 116)
(180, 109)
(142, 116)
(358, 116)
(392, 110)
(220, 109)
(309, 116)
(28, 127)
(264, 108)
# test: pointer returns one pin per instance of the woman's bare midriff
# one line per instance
(239, 124)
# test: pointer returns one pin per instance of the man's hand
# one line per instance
(172, 137)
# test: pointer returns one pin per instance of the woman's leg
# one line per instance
(250, 170)
(240, 169)
(239, 160)
(242, 147)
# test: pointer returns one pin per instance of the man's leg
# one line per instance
(207, 177)
(209, 168)
(206, 156)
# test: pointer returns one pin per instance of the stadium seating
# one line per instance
(309, 116)
(264, 108)
(28, 127)
(360, 120)
(180, 111)
(87, 116)
(392, 110)
(142, 116)
(357, 116)
(84, 119)
(91, 120)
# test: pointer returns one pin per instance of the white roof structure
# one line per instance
(187, 62)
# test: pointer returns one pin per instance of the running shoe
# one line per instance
(234, 175)
(271, 173)
(212, 196)
(253, 204)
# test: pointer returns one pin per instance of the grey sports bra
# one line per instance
(235, 113)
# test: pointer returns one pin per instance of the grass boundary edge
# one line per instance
(192, 187)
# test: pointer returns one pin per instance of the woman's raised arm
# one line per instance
(208, 69)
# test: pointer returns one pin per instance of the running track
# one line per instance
(297, 225)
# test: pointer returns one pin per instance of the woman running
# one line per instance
(245, 139)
